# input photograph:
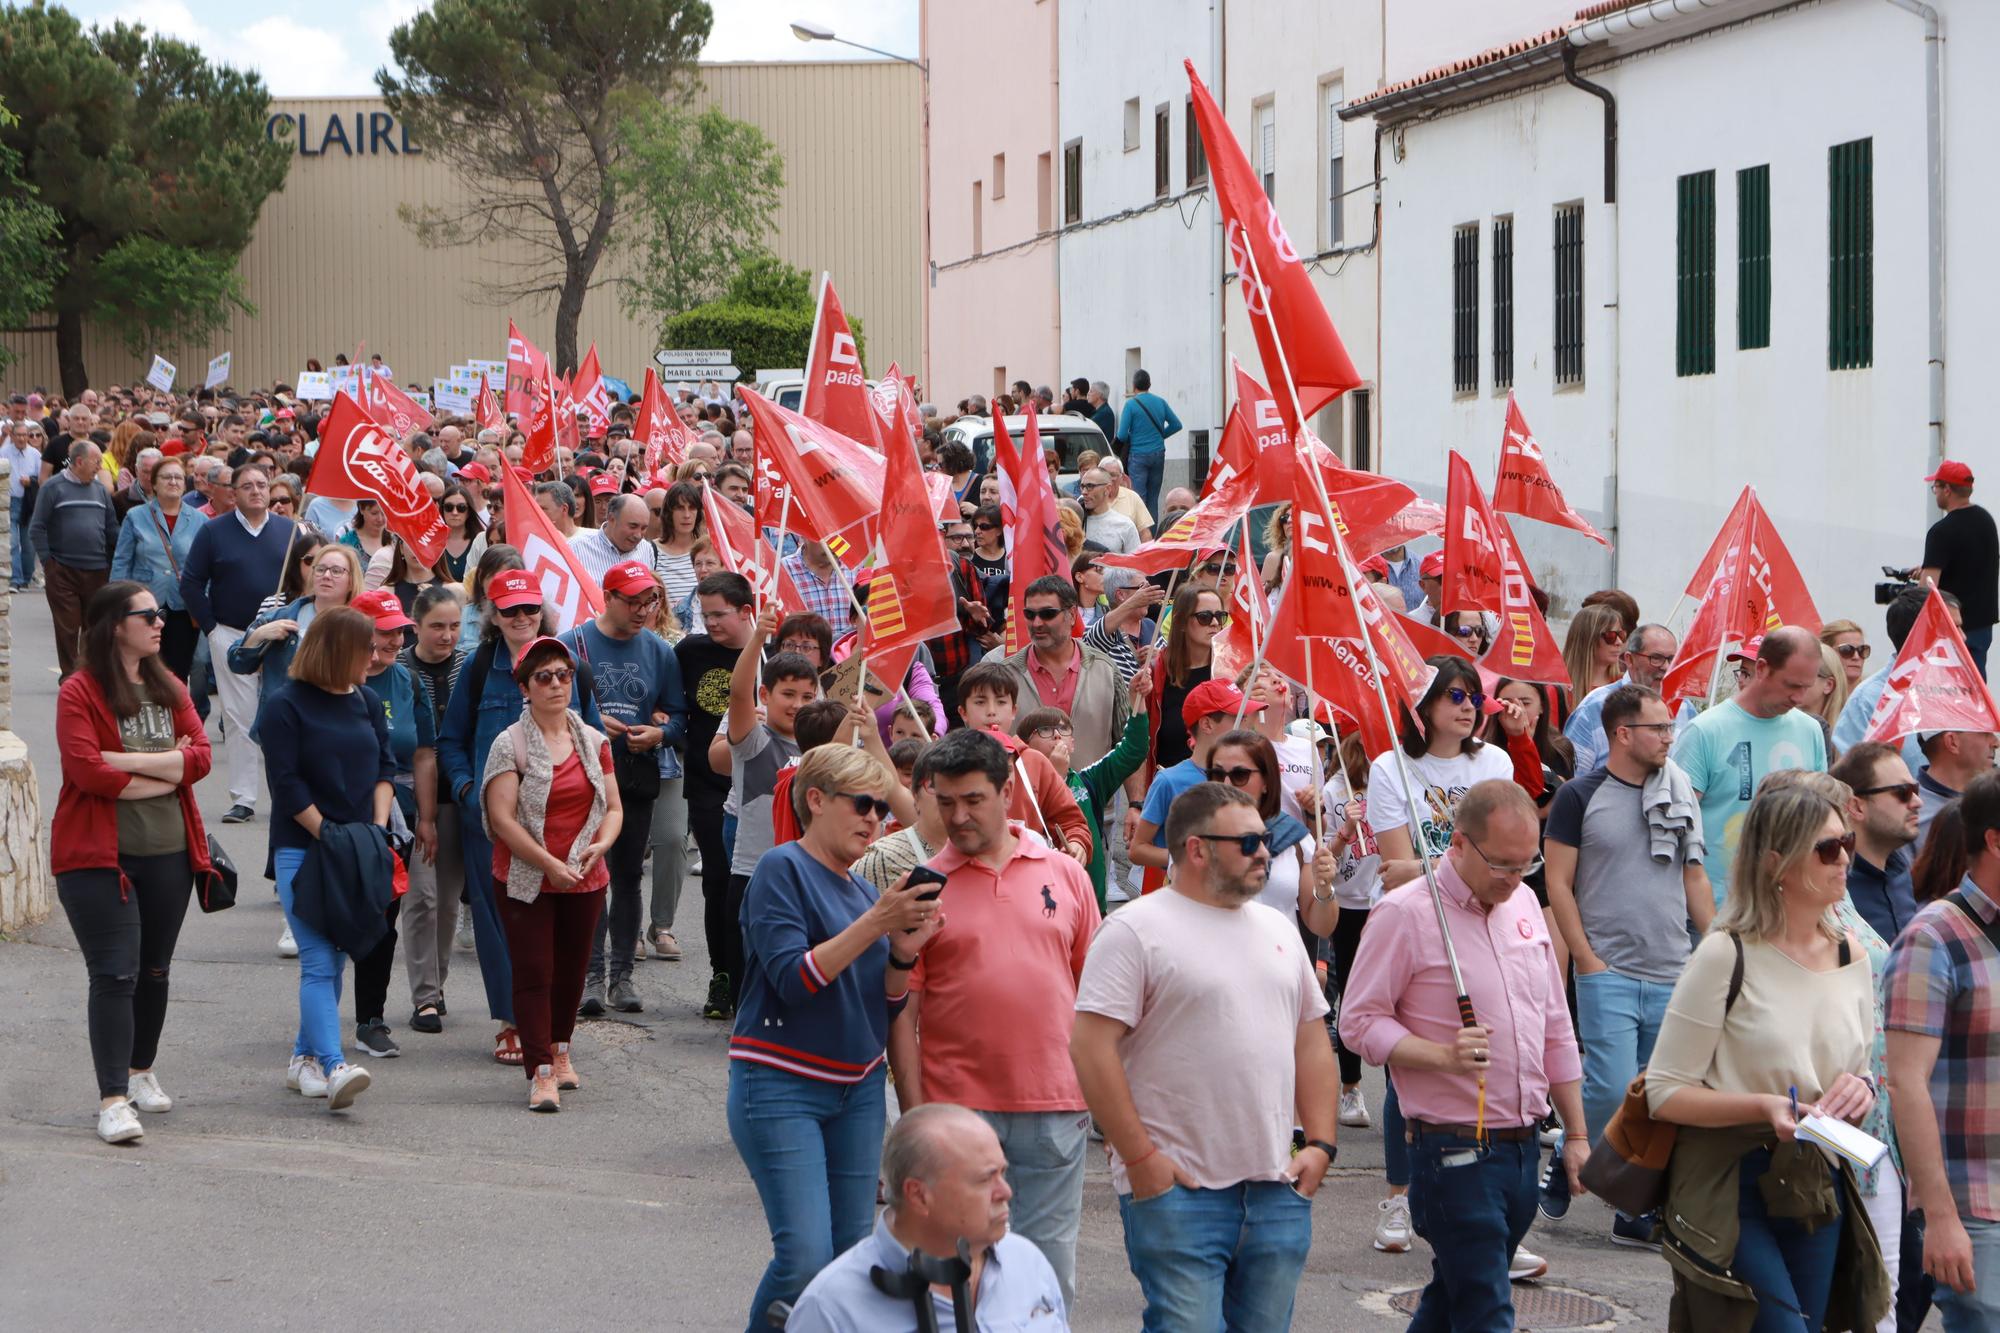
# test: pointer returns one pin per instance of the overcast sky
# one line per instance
(301, 52)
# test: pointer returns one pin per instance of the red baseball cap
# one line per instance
(1748, 652)
(1214, 696)
(173, 448)
(1952, 474)
(381, 606)
(513, 587)
(1375, 564)
(604, 484)
(1433, 566)
(475, 472)
(629, 578)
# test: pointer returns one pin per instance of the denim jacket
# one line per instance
(142, 552)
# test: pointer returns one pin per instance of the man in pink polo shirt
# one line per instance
(996, 991)
(1472, 1193)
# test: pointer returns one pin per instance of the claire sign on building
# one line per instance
(373, 133)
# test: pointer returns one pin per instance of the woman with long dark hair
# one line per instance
(154, 541)
(369, 532)
(296, 581)
(681, 527)
(1198, 615)
(461, 527)
(127, 842)
(1298, 874)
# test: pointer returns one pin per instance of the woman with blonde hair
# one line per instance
(1772, 1020)
(1849, 641)
(335, 579)
(1828, 695)
(1071, 519)
(1593, 648)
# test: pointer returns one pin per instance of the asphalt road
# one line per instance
(438, 1201)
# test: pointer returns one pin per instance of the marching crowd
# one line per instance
(1101, 894)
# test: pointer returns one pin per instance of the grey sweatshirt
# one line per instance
(74, 523)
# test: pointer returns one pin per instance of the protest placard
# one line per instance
(161, 376)
(218, 372)
(315, 385)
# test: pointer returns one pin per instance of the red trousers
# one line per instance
(549, 941)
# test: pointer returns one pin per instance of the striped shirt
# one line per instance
(1944, 981)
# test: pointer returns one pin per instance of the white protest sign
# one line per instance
(347, 380)
(315, 384)
(161, 376)
(218, 372)
(449, 397)
(495, 371)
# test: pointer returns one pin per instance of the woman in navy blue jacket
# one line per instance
(483, 704)
(826, 967)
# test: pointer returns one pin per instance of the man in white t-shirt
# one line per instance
(1200, 1042)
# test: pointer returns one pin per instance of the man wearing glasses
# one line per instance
(1883, 814)
(1625, 878)
(1103, 524)
(1472, 1097)
(1057, 670)
(1647, 655)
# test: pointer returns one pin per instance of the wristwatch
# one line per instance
(1329, 1149)
(899, 964)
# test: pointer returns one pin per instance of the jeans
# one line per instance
(489, 937)
(626, 861)
(705, 817)
(321, 967)
(1977, 1310)
(127, 939)
(670, 830)
(20, 547)
(1617, 1020)
(1785, 1264)
(1472, 1206)
(1045, 1152)
(814, 1150)
(1218, 1259)
(1977, 641)
(1395, 1148)
(1146, 471)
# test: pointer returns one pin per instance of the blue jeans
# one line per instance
(814, 1150)
(1146, 471)
(321, 966)
(1045, 1152)
(489, 936)
(18, 544)
(1979, 1309)
(1395, 1150)
(1977, 641)
(1215, 1259)
(1472, 1206)
(1617, 1020)
(1778, 1258)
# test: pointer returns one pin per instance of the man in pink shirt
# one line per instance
(993, 995)
(1473, 1185)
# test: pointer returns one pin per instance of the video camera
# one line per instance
(1899, 582)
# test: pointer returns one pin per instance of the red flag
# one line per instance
(1200, 530)
(538, 420)
(1705, 571)
(525, 361)
(910, 597)
(1524, 649)
(592, 396)
(392, 407)
(836, 392)
(1340, 672)
(1472, 551)
(1933, 686)
(943, 503)
(1374, 513)
(743, 551)
(1249, 611)
(1285, 308)
(1753, 586)
(835, 484)
(1524, 485)
(1034, 533)
(570, 594)
(1326, 606)
(567, 434)
(486, 412)
(659, 427)
(358, 460)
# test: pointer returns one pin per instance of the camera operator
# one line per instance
(1962, 556)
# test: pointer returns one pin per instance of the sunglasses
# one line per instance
(1458, 696)
(1860, 650)
(279, 501)
(1830, 850)
(1238, 776)
(1613, 637)
(1904, 792)
(1208, 619)
(152, 615)
(512, 611)
(864, 804)
(1044, 613)
(552, 676)
(988, 527)
(1217, 571)
(454, 509)
(1247, 843)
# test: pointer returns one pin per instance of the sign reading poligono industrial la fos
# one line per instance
(348, 134)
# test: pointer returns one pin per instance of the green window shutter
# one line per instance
(1851, 255)
(1753, 257)
(1694, 323)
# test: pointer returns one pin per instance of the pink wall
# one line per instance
(993, 73)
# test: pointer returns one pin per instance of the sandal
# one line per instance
(507, 1046)
(427, 1019)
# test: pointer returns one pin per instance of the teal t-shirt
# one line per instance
(1726, 752)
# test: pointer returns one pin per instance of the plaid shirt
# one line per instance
(828, 597)
(1944, 981)
(954, 652)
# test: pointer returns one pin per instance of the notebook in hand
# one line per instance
(1842, 1139)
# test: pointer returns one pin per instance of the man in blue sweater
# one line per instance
(1143, 428)
(235, 563)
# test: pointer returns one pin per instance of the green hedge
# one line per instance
(757, 336)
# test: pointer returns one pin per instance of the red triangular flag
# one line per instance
(1028, 506)
(358, 459)
(538, 423)
(1754, 586)
(392, 407)
(910, 597)
(591, 395)
(835, 485)
(567, 434)
(569, 593)
(486, 412)
(1285, 308)
(1524, 485)
(737, 545)
(1933, 685)
(525, 361)
(659, 427)
(1472, 552)
(1200, 530)
(1704, 571)
(836, 392)
(1249, 613)
(1524, 649)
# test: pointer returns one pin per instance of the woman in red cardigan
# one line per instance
(127, 840)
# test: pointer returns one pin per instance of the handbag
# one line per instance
(218, 891)
(1628, 1165)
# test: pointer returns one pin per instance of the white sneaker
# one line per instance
(1392, 1230)
(147, 1095)
(345, 1084)
(462, 940)
(304, 1076)
(287, 946)
(1526, 1265)
(1354, 1109)
(119, 1123)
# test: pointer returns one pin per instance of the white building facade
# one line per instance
(1742, 297)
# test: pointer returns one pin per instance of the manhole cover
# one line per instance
(1534, 1307)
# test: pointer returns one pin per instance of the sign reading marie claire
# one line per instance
(350, 134)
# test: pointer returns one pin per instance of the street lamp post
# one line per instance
(818, 32)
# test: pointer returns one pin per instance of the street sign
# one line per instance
(716, 357)
(697, 370)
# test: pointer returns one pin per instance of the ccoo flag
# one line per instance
(359, 460)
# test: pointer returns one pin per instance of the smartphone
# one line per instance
(926, 875)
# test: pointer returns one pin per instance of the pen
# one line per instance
(1795, 1103)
